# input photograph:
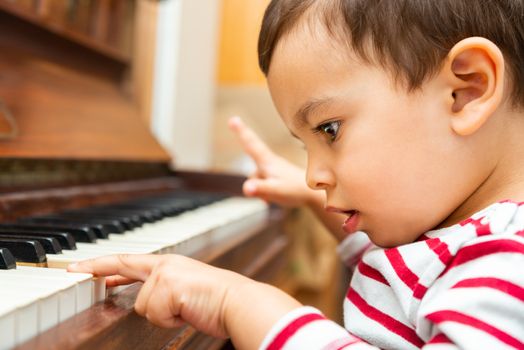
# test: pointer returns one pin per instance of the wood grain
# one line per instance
(63, 112)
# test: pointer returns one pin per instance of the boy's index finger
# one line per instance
(134, 266)
(251, 143)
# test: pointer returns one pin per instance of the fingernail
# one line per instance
(250, 187)
(73, 266)
(234, 120)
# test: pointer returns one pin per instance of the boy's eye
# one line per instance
(330, 129)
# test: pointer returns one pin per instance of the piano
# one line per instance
(81, 177)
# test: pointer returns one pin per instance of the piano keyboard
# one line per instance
(34, 299)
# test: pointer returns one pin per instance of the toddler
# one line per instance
(412, 116)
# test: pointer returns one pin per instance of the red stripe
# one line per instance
(407, 276)
(441, 249)
(385, 320)
(494, 283)
(457, 317)
(479, 250)
(419, 291)
(399, 265)
(482, 229)
(282, 338)
(371, 272)
(440, 339)
(422, 237)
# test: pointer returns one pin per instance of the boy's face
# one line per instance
(372, 147)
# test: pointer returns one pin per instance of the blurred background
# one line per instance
(207, 71)
(216, 73)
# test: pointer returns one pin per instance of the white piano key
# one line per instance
(25, 313)
(196, 228)
(62, 261)
(103, 245)
(142, 247)
(46, 300)
(84, 284)
(7, 325)
(45, 293)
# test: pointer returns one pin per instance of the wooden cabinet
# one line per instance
(102, 25)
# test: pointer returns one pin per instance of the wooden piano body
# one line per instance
(113, 324)
(72, 135)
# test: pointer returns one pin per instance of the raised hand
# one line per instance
(276, 179)
(279, 181)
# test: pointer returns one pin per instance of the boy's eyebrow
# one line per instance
(308, 108)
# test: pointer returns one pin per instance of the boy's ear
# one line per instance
(475, 68)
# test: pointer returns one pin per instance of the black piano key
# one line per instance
(138, 215)
(114, 225)
(131, 221)
(27, 251)
(109, 224)
(147, 214)
(99, 229)
(7, 260)
(145, 210)
(172, 208)
(50, 244)
(128, 222)
(66, 240)
(157, 211)
(80, 233)
(198, 198)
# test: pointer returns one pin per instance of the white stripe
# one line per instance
(455, 238)
(404, 295)
(491, 238)
(316, 335)
(352, 247)
(417, 256)
(378, 295)
(441, 346)
(500, 217)
(499, 265)
(360, 346)
(371, 331)
(470, 338)
(485, 304)
(518, 220)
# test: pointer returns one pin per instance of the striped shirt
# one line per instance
(460, 287)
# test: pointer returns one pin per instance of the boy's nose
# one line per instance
(319, 176)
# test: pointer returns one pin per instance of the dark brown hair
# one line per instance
(411, 38)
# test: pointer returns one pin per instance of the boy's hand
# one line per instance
(176, 289)
(276, 179)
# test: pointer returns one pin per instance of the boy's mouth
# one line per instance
(351, 222)
(341, 211)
